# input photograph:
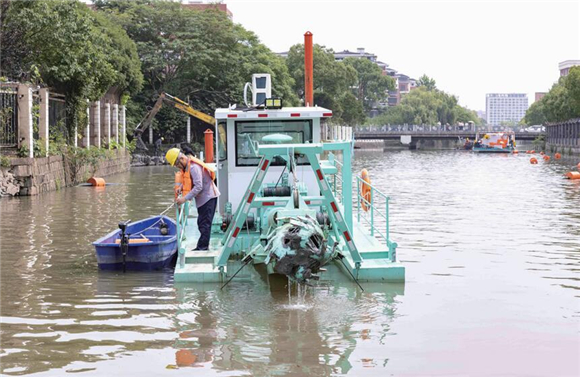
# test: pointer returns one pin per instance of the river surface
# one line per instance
(492, 250)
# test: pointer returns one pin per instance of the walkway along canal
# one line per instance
(491, 244)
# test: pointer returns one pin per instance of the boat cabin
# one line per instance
(240, 132)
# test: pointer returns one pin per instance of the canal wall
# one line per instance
(564, 137)
(33, 176)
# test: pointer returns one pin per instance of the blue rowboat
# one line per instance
(152, 246)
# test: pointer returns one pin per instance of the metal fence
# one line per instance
(56, 115)
(8, 115)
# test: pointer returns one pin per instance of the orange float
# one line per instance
(97, 182)
(533, 161)
(365, 190)
(572, 175)
(557, 156)
(516, 151)
(546, 157)
(532, 151)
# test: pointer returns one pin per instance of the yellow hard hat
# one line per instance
(171, 156)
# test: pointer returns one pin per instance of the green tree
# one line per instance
(561, 103)
(197, 54)
(427, 82)
(353, 113)
(331, 78)
(535, 114)
(371, 86)
(74, 51)
(427, 107)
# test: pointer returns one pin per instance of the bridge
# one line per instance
(416, 132)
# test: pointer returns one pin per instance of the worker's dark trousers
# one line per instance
(204, 219)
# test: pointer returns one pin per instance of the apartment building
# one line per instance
(505, 107)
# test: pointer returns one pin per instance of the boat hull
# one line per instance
(492, 150)
(156, 253)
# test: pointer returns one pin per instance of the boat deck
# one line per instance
(199, 266)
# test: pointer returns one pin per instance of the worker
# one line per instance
(158, 145)
(198, 183)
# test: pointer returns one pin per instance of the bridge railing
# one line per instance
(418, 129)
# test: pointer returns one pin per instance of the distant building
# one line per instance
(403, 83)
(359, 54)
(505, 107)
(481, 114)
(539, 96)
(566, 65)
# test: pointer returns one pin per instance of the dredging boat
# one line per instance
(286, 204)
(495, 142)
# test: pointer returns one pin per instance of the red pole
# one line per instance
(308, 68)
(208, 139)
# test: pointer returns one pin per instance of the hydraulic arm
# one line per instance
(175, 102)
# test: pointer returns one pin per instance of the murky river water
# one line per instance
(492, 250)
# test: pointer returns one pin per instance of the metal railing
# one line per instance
(378, 201)
(337, 182)
(8, 116)
(181, 216)
(414, 128)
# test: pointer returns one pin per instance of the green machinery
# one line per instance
(258, 232)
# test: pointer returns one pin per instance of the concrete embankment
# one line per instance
(32, 176)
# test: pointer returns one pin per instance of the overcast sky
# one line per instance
(469, 47)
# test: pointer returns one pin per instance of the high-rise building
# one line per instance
(505, 107)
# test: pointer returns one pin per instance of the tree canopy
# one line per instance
(371, 85)
(68, 47)
(350, 88)
(561, 103)
(423, 106)
(200, 55)
(427, 82)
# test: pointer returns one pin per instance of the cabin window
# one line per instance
(250, 133)
(222, 141)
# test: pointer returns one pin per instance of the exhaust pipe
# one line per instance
(308, 67)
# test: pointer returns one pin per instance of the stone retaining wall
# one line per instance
(37, 175)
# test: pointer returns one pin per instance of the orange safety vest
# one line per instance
(183, 183)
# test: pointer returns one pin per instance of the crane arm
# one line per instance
(186, 108)
(175, 102)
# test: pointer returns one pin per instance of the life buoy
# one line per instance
(365, 190)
